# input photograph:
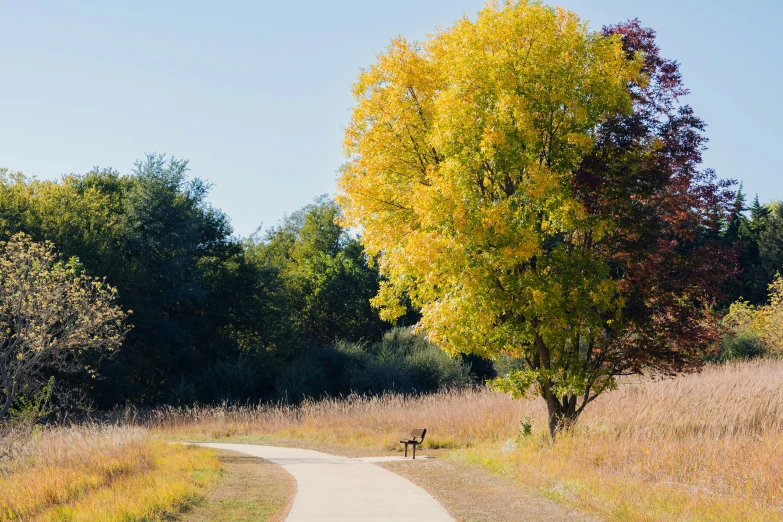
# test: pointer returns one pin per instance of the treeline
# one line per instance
(214, 317)
(757, 232)
(281, 315)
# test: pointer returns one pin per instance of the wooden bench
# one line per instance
(417, 437)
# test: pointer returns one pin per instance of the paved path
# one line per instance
(341, 488)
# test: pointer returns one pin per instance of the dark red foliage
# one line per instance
(644, 174)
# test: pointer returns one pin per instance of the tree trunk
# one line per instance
(7, 406)
(562, 412)
(7, 384)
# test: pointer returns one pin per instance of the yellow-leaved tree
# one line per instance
(51, 316)
(771, 318)
(460, 179)
(765, 322)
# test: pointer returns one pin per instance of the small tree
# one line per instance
(772, 318)
(765, 322)
(50, 314)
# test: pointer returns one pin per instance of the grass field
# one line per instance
(698, 447)
(103, 473)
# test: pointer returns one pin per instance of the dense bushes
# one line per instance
(743, 345)
(401, 362)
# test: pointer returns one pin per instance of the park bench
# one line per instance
(417, 437)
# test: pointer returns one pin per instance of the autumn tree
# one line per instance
(764, 322)
(51, 314)
(532, 186)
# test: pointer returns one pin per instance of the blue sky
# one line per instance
(255, 94)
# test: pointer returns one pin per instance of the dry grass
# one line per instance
(250, 489)
(700, 447)
(454, 419)
(102, 473)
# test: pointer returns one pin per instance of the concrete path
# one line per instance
(341, 488)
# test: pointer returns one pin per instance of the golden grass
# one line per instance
(702, 447)
(699, 447)
(458, 418)
(102, 473)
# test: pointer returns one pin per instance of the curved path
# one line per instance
(341, 488)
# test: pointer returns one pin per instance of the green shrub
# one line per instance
(431, 368)
(402, 362)
(339, 362)
(27, 411)
(400, 342)
(381, 375)
(182, 393)
(506, 365)
(303, 379)
(743, 345)
(229, 382)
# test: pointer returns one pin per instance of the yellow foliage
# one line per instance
(765, 321)
(460, 154)
(770, 318)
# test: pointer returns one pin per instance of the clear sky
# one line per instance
(256, 94)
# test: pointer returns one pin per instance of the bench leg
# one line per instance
(414, 452)
(406, 450)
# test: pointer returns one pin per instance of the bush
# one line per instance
(304, 379)
(229, 382)
(28, 411)
(401, 342)
(379, 375)
(402, 362)
(339, 362)
(743, 345)
(431, 368)
(506, 365)
(182, 393)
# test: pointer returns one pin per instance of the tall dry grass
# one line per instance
(456, 418)
(698, 447)
(97, 472)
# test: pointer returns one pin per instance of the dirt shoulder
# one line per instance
(250, 489)
(472, 494)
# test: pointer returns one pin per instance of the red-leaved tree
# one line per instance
(644, 173)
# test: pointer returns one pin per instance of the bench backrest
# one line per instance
(418, 432)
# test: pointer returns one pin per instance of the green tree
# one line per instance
(757, 232)
(171, 239)
(771, 242)
(328, 279)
